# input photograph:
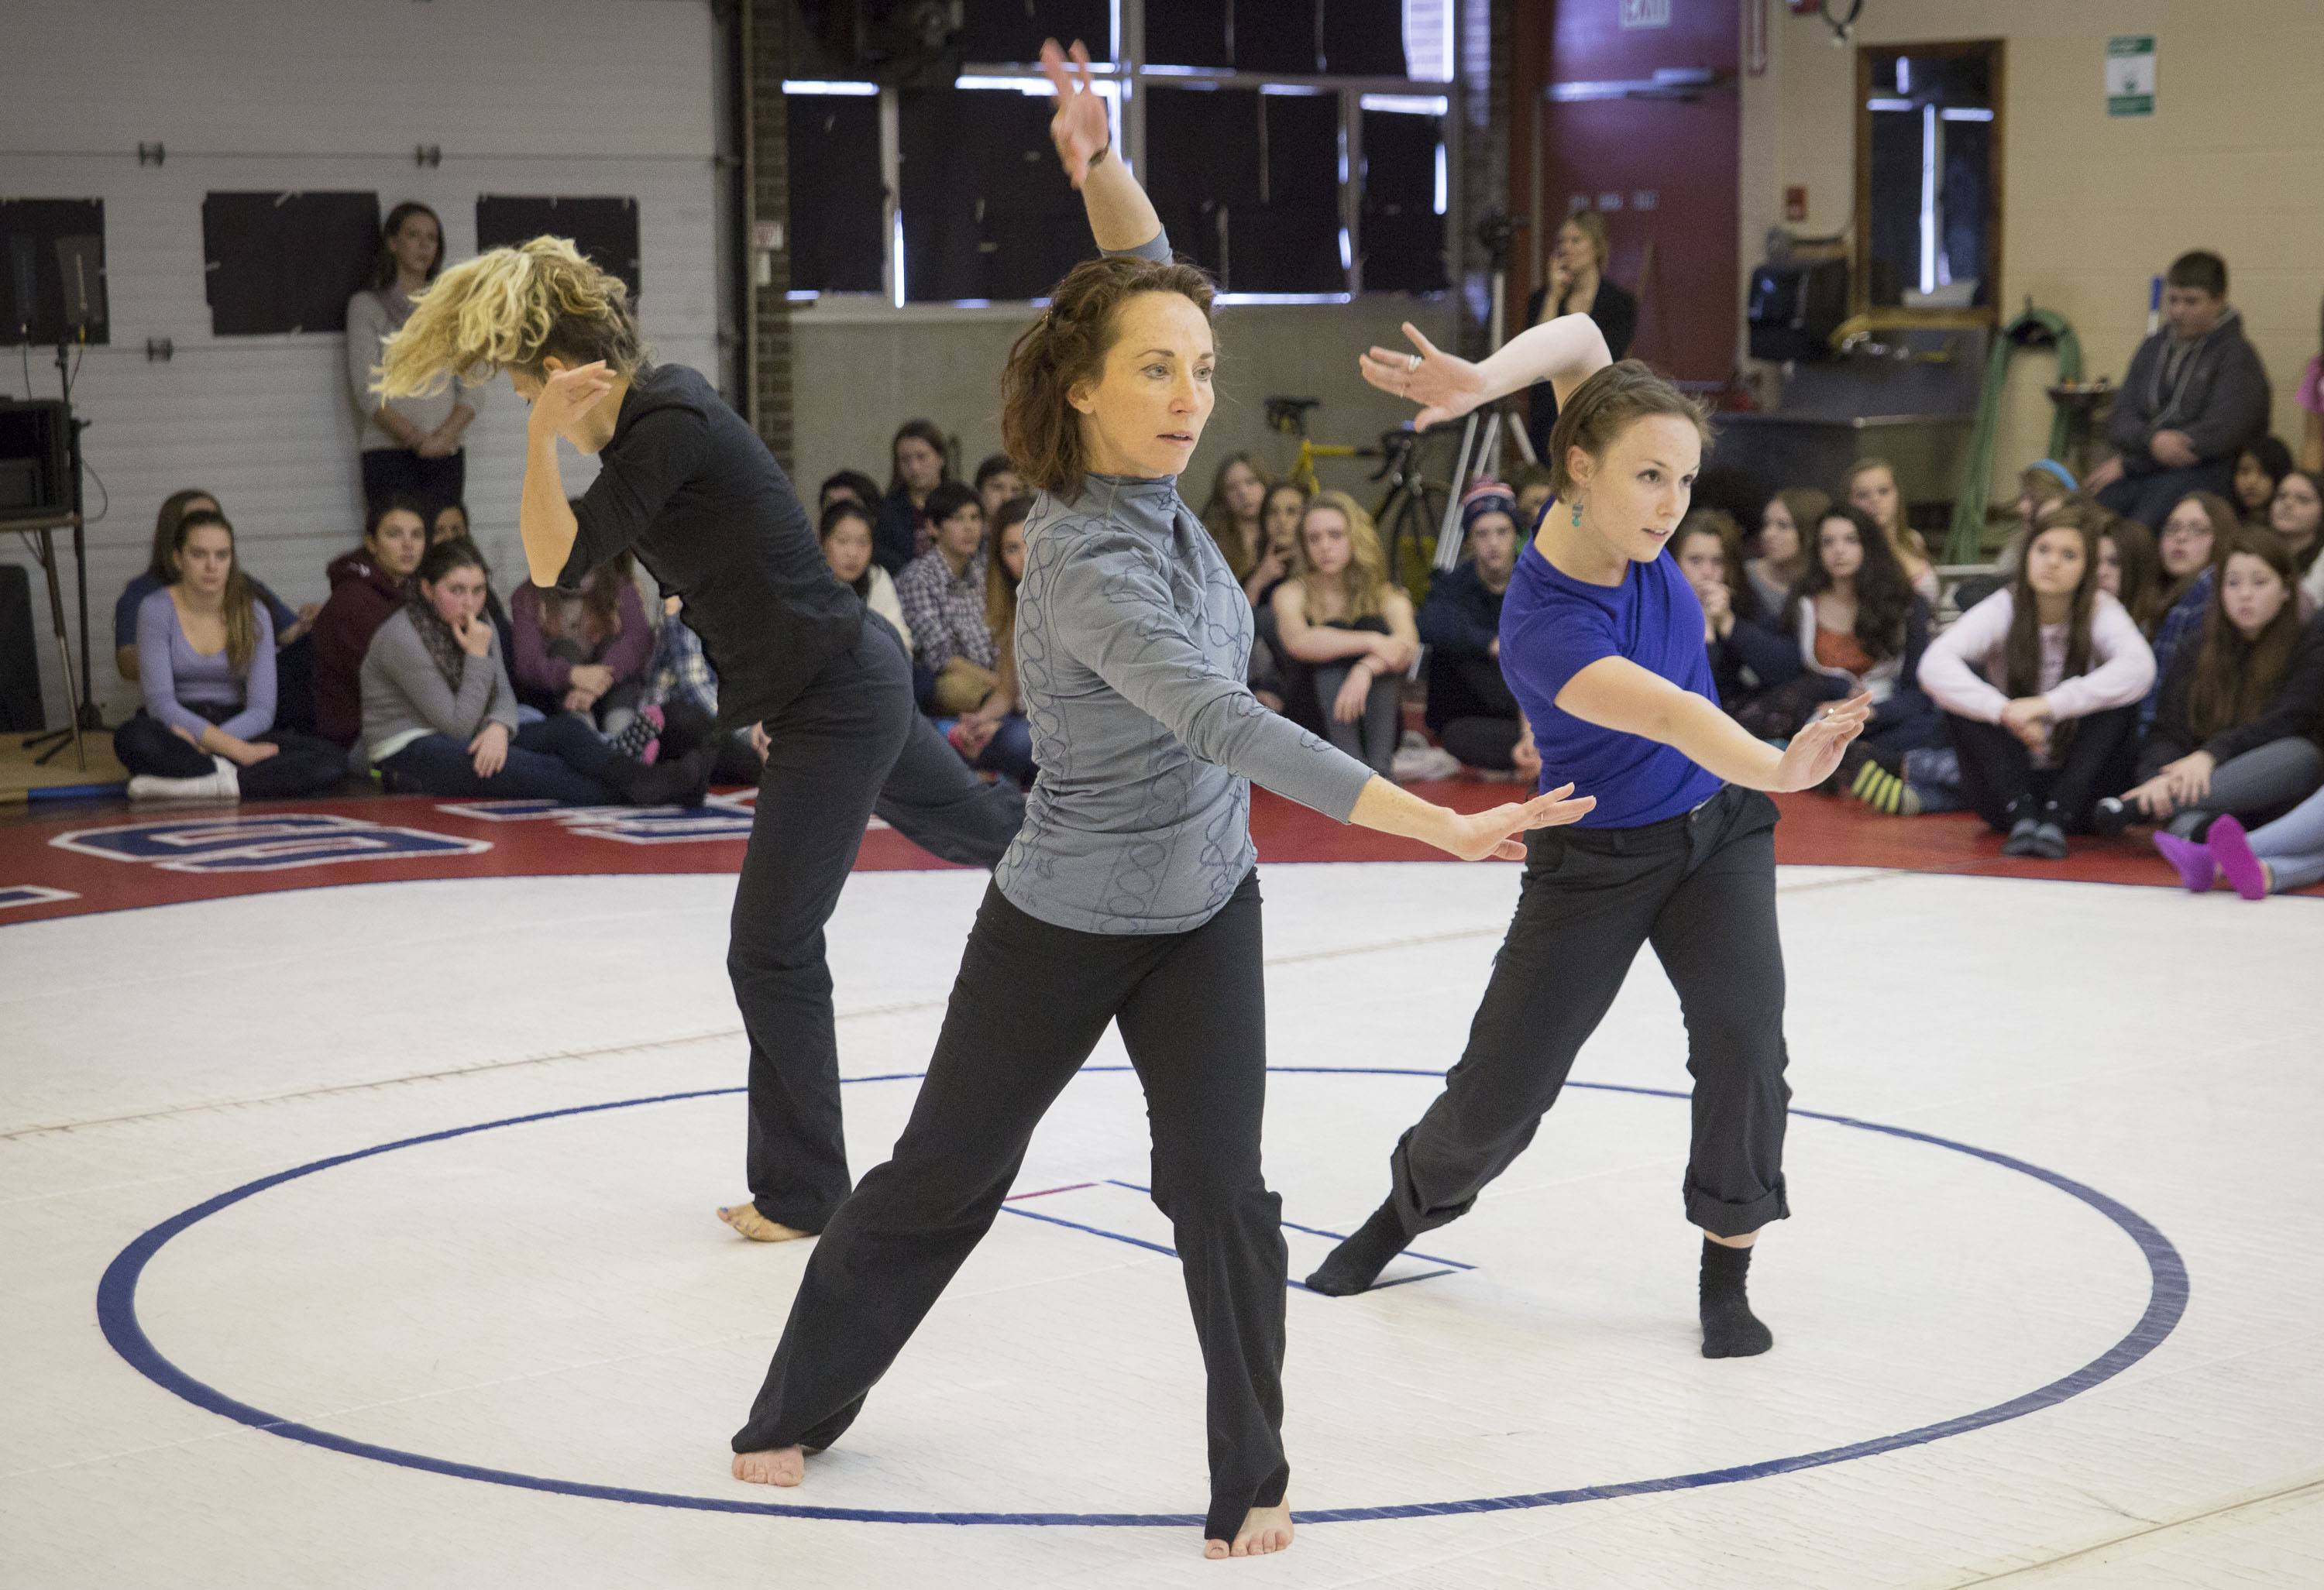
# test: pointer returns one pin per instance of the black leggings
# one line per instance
(301, 765)
(1701, 890)
(1997, 771)
(1031, 1001)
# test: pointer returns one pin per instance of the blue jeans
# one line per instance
(560, 759)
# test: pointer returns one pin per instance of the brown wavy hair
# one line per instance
(1906, 537)
(1608, 404)
(1068, 345)
(1884, 596)
(239, 605)
(1721, 527)
(1364, 581)
(2234, 677)
(159, 565)
(511, 308)
(383, 268)
(2134, 552)
(2021, 650)
(1220, 521)
(2225, 526)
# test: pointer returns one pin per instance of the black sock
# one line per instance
(1357, 1262)
(1729, 1328)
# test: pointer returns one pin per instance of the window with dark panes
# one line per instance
(1189, 32)
(1364, 38)
(839, 205)
(1402, 184)
(1275, 36)
(995, 31)
(1201, 162)
(987, 214)
(1289, 242)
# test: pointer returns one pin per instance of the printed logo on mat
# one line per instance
(720, 817)
(32, 894)
(261, 844)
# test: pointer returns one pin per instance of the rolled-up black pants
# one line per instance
(1031, 1001)
(1700, 888)
(849, 744)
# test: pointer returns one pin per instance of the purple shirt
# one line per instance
(172, 674)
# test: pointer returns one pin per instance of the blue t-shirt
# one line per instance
(1552, 628)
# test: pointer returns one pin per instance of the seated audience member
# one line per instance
(583, 652)
(846, 531)
(1237, 501)
(451, 524)
(290, 627)
(1870, 484)
(2040, 684)
(2296, 516)
(2260, 468)
(920, 462)
(679, 708)
(206, 664)
(2242, 712)
(2129, 569)
(1279, 523)
(2194, 396)
(1862, 627)
(998, 483)
(440, 713)
(2194, 532)
(943, 595)
(849, 485)
(1536, 486)
(1340, 618)
(2043, 487)
(1783, 556)
(1470, 706)
(995, 737)
(366, 585)
(1748, 657)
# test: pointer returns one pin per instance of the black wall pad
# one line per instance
(52, 271)
(838, 202)
(605, 230)
(1402, 236)
(285, 262)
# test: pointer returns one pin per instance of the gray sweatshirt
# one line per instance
(1133, 637)
(369, 321)
(405, 698)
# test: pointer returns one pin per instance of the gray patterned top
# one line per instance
(1133, 639)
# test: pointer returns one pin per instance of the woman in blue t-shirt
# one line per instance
(1602, 645)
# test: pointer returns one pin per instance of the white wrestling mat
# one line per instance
(363, 1237)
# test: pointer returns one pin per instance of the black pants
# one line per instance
(1486, 734)
(1701, 890)
(560, 759)
(850, 744)
(1997, 771)
(1031, 1002)
(301, 765)
(399, 472)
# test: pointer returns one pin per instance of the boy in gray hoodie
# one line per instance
(2195, 394)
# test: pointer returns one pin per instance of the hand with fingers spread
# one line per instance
(1443, 384)
(1080, 129)
(1496, 833)
(1813, 754)
(568, 394)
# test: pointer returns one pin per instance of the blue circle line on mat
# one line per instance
(116, 1312)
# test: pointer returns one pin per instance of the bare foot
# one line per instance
(785, 1466)
(746, 1218)
(1264, 1529)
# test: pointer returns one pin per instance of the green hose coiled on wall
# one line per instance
(2034, 328)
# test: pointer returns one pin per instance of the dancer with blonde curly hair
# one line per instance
(689, 487)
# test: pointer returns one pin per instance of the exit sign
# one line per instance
(1645, 13)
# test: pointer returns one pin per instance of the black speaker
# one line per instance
(34, 448)
(20, 667)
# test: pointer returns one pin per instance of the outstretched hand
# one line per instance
(1080, 129)
(1443, 384)
(1813, 754)
(1495, 833)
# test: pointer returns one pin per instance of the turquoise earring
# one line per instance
(1577, 516)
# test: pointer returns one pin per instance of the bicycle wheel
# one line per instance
(1414, 513)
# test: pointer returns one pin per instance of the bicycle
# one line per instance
(1412, 506)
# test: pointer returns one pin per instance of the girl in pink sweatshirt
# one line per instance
(2040, 685)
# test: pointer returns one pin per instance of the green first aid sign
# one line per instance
(2130, 75)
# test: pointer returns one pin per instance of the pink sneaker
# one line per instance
(2195, 867)
(2230, 847)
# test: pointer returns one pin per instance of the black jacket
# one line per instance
(1459, 623)
(2219, 397)
(1750, 658)
(2295, 709)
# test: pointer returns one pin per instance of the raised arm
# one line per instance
(1122, 217)
(1564, 351)
(1614, 693)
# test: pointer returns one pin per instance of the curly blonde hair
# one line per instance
(1365, 579)
(511, 308)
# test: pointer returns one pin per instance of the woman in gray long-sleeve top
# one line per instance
(1130, 894)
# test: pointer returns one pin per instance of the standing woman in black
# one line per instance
(1577, 285)
(1132, 895)
(689, 487)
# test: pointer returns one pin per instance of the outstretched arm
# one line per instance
(1564, 351)
(1120, 215)
(1614, 693)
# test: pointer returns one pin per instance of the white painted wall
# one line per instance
(524, 96)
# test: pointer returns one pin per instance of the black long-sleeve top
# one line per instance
(2295, 709)
(1458, 623)
(1751, 658)
(689, 487)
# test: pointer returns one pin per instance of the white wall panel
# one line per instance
(523, 96)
